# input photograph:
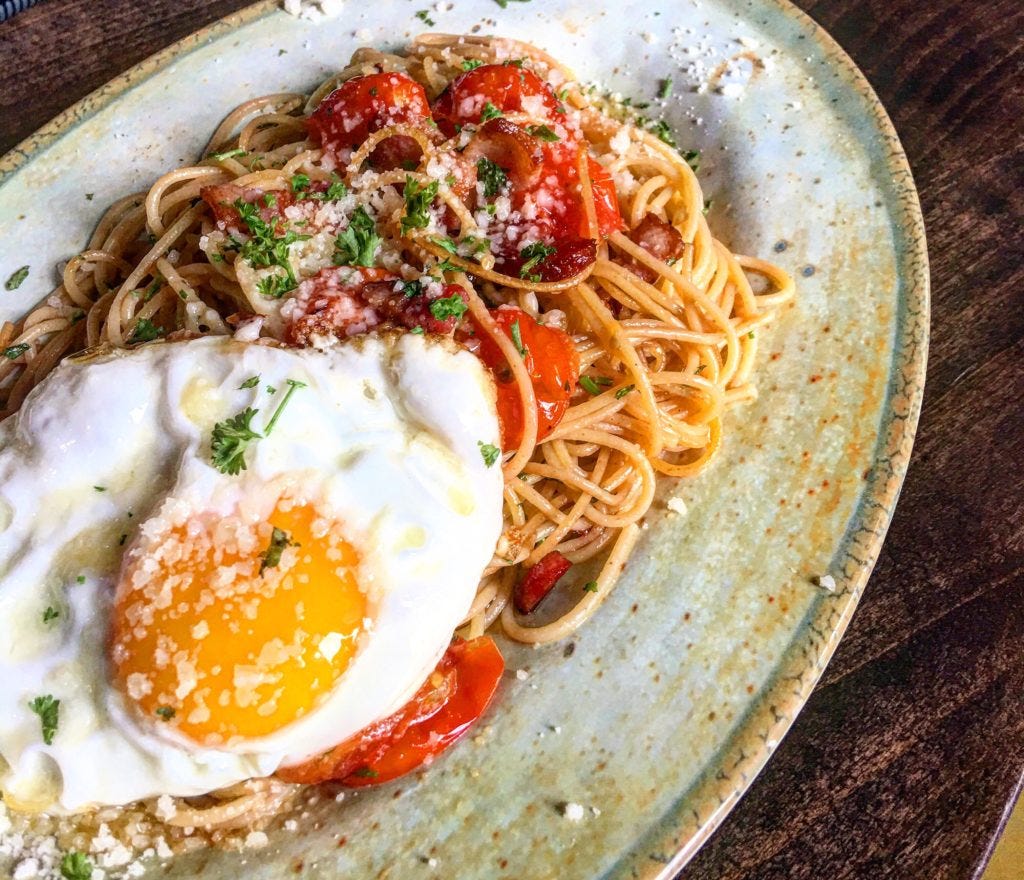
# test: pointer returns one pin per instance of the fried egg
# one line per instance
(218, 558)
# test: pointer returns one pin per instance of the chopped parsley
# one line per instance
(274, 286)
(300, 183)
(265, 249)
(534, 254)
(251, 382)
(357, 245)
(490, 112)
(424, 16)
(231, 438)
(665, 89)
(418, 199)
(750, 335)
(280, 540)
(165, 712)
(337, 190)
(623, 391)
(448, 307)
(691, 158)
(228, 154)
(504, 3)
(75, 866)
(14, 282)
(13, 352)
(543, 132)
(517, 338)
(50, 613)
(80, 579)
(100, 488)
(491, 175)
(471, 64)
(48, 710)
(489, 451)
(417, 330)
(293, 386)
(89, 196)
(700, 369)
(146, 331)
(445, 244)
(593, 385)
(590, 587)
(663, 133)
(412, 288)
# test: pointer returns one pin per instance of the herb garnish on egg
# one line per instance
(48, 710)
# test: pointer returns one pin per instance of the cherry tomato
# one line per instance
(551, 360)
(540, 580)
(471, 671)
(507, 87)
(606, 200)
(443, 709)
(365, 104)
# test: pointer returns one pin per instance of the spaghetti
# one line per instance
(661, 315)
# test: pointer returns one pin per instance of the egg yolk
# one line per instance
(228, 630)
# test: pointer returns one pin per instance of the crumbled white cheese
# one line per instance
(522, 674)
(573, 812)
(676, 505)
(256, 840)
(313, 10)
(826, 582)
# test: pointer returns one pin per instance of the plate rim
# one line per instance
(669, 844)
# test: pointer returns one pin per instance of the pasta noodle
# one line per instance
(669, 347)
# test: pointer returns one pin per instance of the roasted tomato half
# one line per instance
(551, 360)
(365, 104)
(445, 707)
(493, 89)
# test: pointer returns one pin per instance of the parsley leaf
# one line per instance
(14, 282)
(491, 175)
(490, 112)
(300, 183)
(590, 587)
(623, 391)
(48, 710)
(50, 613)
(665, 89)
(75, 866)
(504, 3)
(543, 132)
(534, 254)
(691, 158)
(280, 540)
(412, 288)
(165, 712)
(471, 64)
(230, 440)
(424, 16)
(417, 202)
(251, 382)
(265, 249)
(337, 190)
(228, 154)
(517, 338)
(663, 132)
(293, 386)
(489, 452)
(448, 307)
(357, 245)
(146, 331)
(592, 385)
(13, 352)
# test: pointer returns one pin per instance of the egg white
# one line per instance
(385, 434)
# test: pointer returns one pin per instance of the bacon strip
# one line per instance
(539, 581)
(660, 239)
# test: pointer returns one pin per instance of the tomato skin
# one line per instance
(504, 85)
(477, 666)
(606, 200)
(550, 359)
(540, 580)
(365, 104)
(443, 709)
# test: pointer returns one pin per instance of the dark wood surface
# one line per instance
(910, 752)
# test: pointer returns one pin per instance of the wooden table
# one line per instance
(909, 755)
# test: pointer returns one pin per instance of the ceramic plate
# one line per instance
(660, 713)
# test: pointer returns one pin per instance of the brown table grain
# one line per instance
(910, 753)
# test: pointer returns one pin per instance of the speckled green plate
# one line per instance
(676, 694)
